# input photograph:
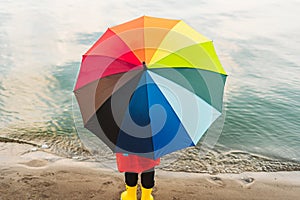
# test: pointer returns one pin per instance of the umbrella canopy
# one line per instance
(150, 86)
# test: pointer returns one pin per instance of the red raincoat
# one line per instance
(133, 163)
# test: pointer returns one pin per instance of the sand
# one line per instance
(27, 172)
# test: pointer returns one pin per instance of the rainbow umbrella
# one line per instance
(150, 86)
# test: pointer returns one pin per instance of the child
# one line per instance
(132, 165)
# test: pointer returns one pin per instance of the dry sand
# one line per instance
(27, 173)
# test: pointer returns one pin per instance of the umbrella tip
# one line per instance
(144, 65)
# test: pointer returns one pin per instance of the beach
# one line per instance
(252, 151)
(28, 172)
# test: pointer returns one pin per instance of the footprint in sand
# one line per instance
(247, 181)
(216, 180)
(4, 186)
(107, 183)
(36, 163)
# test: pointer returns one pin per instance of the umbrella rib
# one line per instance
(187, 93)
(171, 107)
(126, 43)
(113, 92)
(148, 108)
(176, 53)
(125, 61)
(153, 71)
(183, 67)
(160, 41)
(132, 65)
(195, 40)
(104, 77)
(115, 35)
(86, 85)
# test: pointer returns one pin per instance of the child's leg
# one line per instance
(131, 186)
(147, 179)
(131, 179)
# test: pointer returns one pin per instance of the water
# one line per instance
(41, 43)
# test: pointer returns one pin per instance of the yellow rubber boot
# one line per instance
(130, 193)
(146, 194)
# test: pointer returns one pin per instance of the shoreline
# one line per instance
(198, 159)
(29, 174)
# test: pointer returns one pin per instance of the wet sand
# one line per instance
(27, 172)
